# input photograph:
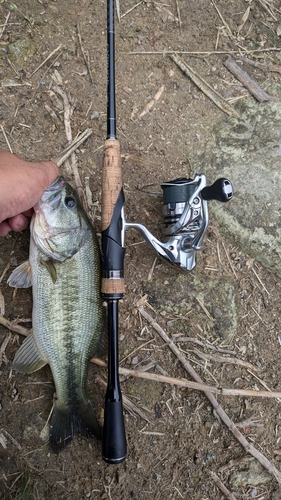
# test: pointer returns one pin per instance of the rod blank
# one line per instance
(114, 438)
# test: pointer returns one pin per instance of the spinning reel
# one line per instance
(186, 218)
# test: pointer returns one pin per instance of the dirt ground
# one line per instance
(173, 451)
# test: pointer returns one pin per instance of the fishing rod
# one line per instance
(186, 218)
(112, 285)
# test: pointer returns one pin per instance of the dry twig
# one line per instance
(73, 146)
(244, 19)
(118, 10)
(45, 60)
(187, 383)
(204, 309)
(3, 347)
(53, 115)
(179, 14)
(2, 304)
(85, 55)
(14, 327)
(45, 73)
(221, 486)
(130, 10)
(264, 67)
(68, 134)
(7, 267)
(5, 24)
(229, 261)
(128, 404)
(206, 344)
(268, 9)
(14, 441)
(258, 278)
(222, 19)
(6, 138)
(223, 359)
(204, 52)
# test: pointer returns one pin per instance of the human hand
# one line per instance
(22, 184)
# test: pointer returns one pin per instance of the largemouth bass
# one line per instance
(67, 317)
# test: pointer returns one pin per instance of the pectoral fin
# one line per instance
(28, 358)
(49, 265)
(21, 277)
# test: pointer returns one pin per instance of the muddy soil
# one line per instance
(179, 441)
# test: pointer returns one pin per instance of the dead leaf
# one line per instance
(244, 19)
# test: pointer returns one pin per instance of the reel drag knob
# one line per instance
(221, 190)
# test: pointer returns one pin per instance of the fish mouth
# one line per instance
(52, 194)
(50, 200)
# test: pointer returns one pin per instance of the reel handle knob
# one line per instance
(221, 190)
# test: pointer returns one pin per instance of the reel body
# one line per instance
(186, 218)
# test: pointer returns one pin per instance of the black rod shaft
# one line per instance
(114, 439)
(111, 104)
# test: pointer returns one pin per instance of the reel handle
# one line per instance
(221, 190)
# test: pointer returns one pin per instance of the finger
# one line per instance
(46, 172)
(28, 213)
(49, 172)
(5, 228)
(19, 222)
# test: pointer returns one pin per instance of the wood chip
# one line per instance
(149, 106)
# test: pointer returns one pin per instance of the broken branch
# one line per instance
(73, 146)
(188, 383)
(247, 81)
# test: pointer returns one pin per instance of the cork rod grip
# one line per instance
(112, 287)
(112, 284)
(111, 180)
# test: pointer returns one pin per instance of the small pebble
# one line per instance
(95, 115)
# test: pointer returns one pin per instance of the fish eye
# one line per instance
(70, 202)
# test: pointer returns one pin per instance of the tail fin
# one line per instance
(68, 422)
